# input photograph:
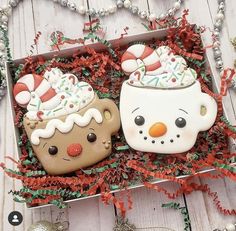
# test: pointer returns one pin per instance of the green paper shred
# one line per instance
(36, 173)
(122, 148)
(184, 212)
(223, 119)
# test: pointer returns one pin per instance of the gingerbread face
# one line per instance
(162, 107)
(68, 143)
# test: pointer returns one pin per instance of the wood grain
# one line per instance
(45, 16)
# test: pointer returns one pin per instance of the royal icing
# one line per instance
(158, 68)
(161, 102)
(165, 120)
(66, 127)
(52, 95)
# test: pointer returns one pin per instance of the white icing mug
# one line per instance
(165, 120)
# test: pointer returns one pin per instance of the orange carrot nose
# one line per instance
(158, 129)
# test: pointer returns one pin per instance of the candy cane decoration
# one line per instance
(147, 55)
(35, 83)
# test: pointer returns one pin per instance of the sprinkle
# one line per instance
(152, 80)
(85, 85)
(177, 64)
(65, 102)
(57, 109)
(39, 103)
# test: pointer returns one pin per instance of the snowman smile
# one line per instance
(158, 141)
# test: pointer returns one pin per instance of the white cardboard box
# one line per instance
(229, 113)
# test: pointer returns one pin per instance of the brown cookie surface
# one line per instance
(68, 143)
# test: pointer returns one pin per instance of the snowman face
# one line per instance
(165, 121)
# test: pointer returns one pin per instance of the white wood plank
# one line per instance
(44, 214)
(50, 17)
(91, 215)
(203, 213)
(7, 183)
(20, 40)
(147, 210)
(59, 215)
(114, 24)
(225, 189)
(21, 29)
(228, 32)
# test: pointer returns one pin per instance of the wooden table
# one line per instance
(91, 215)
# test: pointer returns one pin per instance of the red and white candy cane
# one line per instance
(42, 88)
(146, 54)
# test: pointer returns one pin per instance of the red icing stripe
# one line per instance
(48, 95)
(147, 51)
(19, 87)
(37, 80)
(154, 66)
(127, 55)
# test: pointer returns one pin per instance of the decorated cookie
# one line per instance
(68, 126)
(161, 104)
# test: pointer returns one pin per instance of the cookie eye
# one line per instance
(91, 137)
(53, 150)
(139, 120)
(180, 122)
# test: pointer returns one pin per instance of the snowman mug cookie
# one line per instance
(68, 126)
(162, 106)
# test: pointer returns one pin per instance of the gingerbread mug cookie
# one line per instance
(68, 126)
(162, 106)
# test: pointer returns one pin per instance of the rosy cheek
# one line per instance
(189, 135)
(131, 131)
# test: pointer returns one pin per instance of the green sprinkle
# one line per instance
(57, 109)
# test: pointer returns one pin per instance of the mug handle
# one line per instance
(114, 120)
(211, 111)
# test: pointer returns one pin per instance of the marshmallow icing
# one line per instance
(67, 126)
(158, 68)
(57, 94)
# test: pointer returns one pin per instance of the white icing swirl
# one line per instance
(67, 126)
(173, 72)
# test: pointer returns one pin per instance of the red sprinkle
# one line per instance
(39, 115)
(173, 80)
(90, 89)
(173, 59)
